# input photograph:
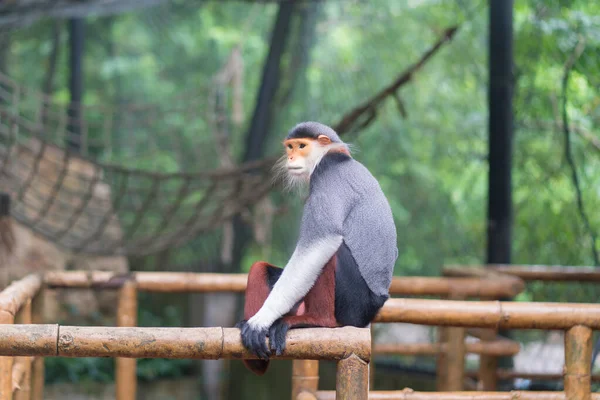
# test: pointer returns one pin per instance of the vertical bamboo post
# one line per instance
(126, 378)
(578, 359)
(6, 363)
(352, 380)
(442, 360)
(305, 377)
(372, 364)
(455, 356)
(488, 364)
(24, 391)
(37, 371)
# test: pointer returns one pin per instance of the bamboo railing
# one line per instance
(23, 346)
(128, 285)
(450, 356)
(527, 274)
(577, 320)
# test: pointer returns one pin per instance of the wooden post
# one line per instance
(6, 363)
(37, 371)
(442, 360)
(126, 378)
(372, 364)
(488, 364)
(455, 375)
(578, 359)
(305, 378)
(352, 380)
(24, 386)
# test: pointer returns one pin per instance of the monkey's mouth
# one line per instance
(295, 170)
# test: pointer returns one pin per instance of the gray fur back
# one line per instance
(346, 199)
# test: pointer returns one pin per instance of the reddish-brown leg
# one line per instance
(257, 289)
(319, 303)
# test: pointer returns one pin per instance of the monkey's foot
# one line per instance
(277, 334)
(254, 339)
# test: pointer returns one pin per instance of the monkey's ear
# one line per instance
(323, 140)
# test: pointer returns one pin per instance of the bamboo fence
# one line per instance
(23, 346)
(527, 274)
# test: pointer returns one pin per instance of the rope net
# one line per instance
(95, 207)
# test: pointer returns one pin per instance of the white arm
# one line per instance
(297, 278)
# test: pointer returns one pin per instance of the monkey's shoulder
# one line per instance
(340, 171)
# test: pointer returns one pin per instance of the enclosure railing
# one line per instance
(16, 299)
(450, 356)
(43, 340)
(577, 320)
(22, 376)
(25, 343)
(527, 274)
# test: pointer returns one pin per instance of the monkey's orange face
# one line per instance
(298, 155)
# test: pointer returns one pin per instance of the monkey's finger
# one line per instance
(278, 336)
(259, 344)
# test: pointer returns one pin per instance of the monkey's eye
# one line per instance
(302, 145)
(289, 146)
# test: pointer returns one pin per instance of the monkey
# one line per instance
(341, 269)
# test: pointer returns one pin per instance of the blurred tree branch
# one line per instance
(350, 121)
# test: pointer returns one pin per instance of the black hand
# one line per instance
(254, 340)
(277, 336)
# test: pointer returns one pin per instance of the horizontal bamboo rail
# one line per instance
(18, 293)
(181, 282)
(410, 395)
(499, 348)
(553, 273)
(490, 314)
(49, 340)
(508, 374)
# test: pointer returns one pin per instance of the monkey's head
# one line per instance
(305, 146)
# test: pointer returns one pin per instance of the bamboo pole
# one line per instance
(6, 363)
(372, 365)
(578, 360)
(19, 292)
(490, 314)
(554, 273)
(305, 378)
(352, 379)
(408, 394)
(21, 382)
(194, 343)
(506, 374)
(37, 371)
(441, 363)
(491, 348)
(455, 375)
(488, 363)
(125, 371)
(180, 282)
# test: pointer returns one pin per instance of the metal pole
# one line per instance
(500, 131)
